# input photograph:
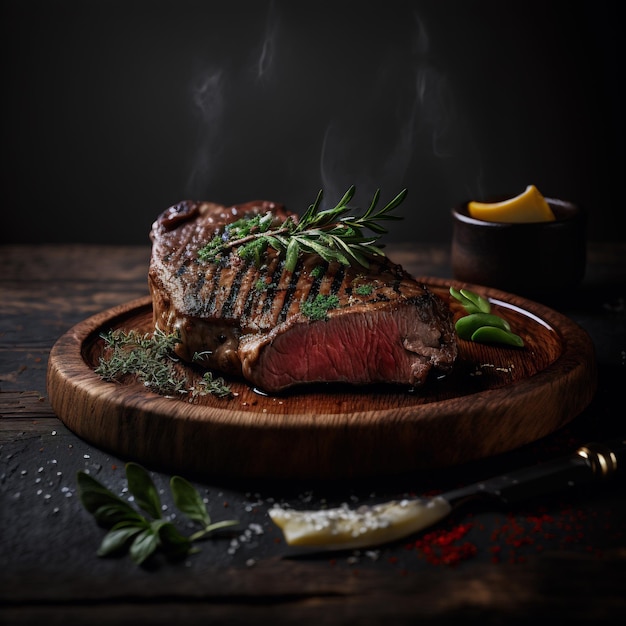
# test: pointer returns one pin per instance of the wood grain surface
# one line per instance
(560, 556)
(496, 400)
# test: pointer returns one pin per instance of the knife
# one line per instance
(343, 528)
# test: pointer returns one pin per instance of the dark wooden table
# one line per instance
(563, 557)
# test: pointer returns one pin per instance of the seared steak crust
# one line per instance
(239, 319)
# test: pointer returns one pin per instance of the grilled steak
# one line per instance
(273, 327)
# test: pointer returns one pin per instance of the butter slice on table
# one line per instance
(342, 527)
(529, 206)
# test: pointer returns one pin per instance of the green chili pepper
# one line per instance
(472, 302)
(491, 334)
(468, 305)
(480, 324)
(482, 304)
(467, 325)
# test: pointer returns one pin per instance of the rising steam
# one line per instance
(268, 45)
(397, 116)
(375, 143)
(209, 104)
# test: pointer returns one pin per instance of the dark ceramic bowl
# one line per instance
(531, 259)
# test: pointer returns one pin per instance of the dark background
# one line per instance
(114, 110)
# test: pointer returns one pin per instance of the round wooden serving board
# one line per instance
(496, 399)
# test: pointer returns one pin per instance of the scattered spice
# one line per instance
(442, 547)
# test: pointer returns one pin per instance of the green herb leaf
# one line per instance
(189, 501)
(110, 514)
(293, 251)
(145, 544)
(317, 308)
(172, 541)
(117, 539)
(209, 384)
(151, 359)
(364, 290)
(211, 528)
(318, 271)
(327, 252)
(131, 530)
(142, 487)
(105, 506)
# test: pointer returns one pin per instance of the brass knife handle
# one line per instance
(591, 463)
(603, 458)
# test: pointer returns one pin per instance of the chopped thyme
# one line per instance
(209, 384)
(261, 285)
(150, 357)
(240, 229)
(317, 271)
(317, 309)
(364, 290)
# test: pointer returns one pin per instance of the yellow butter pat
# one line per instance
(529, 206)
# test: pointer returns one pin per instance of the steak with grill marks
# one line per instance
(244, 320)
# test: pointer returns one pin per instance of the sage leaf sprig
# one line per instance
(189, 501)
(143, 535)
(480, 324)
(334, 234)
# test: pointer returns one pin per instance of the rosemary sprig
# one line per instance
(334, 234)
